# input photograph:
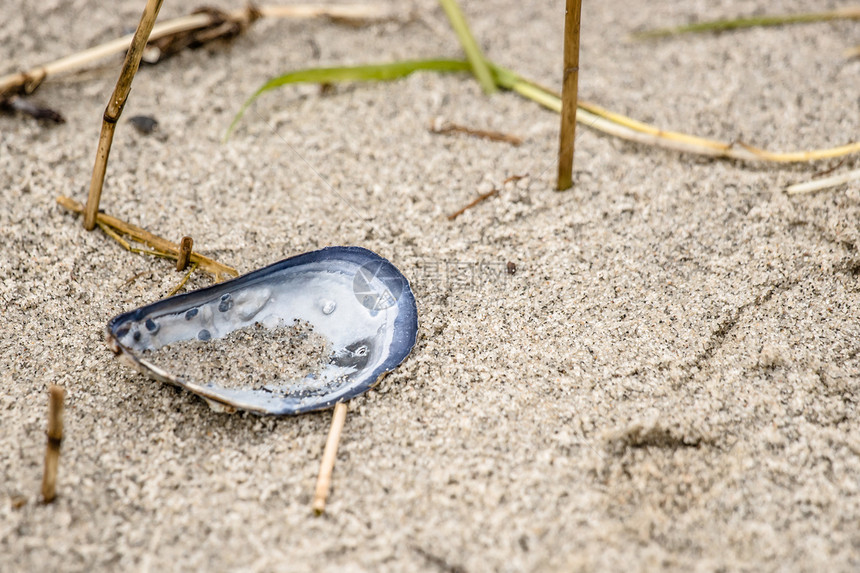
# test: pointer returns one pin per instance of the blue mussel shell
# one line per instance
(353, 297)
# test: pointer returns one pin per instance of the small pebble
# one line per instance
(144, 123)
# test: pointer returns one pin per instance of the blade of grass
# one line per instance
(588, 114)
(751, 22)
(470, 46)
(645, 128)
(632, 130)
(371, 72)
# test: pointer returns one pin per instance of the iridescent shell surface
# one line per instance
(353, 297)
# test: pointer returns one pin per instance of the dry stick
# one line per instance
(329, 455)
(220, 271)
(184, 253)
(484, 196)
(114, 108)
(446, 128)
(55, 438)
(28, 81)
(570, 87)
(478, 199)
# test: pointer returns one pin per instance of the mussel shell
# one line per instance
(356, 299)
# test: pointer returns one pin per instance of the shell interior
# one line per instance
(351, 296)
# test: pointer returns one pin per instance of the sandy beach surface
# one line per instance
(669, 380)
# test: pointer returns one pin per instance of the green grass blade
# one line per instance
(751, 22)
(470, 46)
(371, 72)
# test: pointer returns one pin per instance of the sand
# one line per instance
(251, 358)
(668, 381)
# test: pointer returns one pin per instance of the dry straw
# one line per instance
(329, 456)
(27, 82)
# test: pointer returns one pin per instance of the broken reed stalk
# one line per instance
(167, 248)
(27, 82)
(570, 87)
(184, 253)
(55, 438)
(329, 455)
(114, 108)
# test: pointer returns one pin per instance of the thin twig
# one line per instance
(114, 109)
(134, 277)
(570, 87)
(478, 199)
(329, 455)
(163, 247)
(55, 437)
(484, 196)
(447, 127)
(829, 170)
(825, 183)
(29, 81)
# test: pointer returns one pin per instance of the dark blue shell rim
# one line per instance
(405, 325)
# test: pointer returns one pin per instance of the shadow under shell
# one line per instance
(358, 301)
